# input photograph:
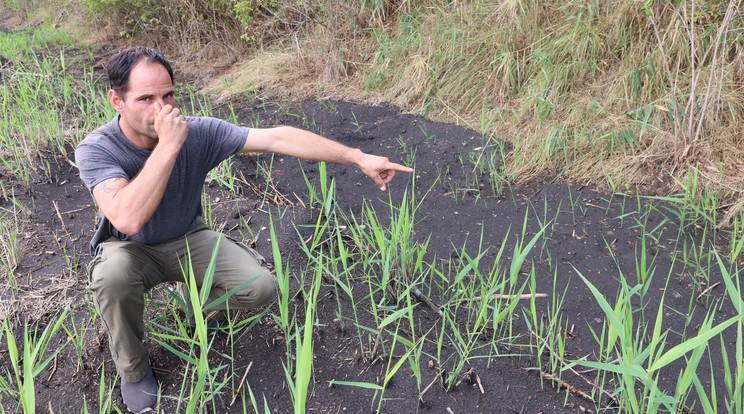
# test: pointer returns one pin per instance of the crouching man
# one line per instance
(145, 170)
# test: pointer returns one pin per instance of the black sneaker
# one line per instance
(141, 396)
(213, 325)
(211, 320)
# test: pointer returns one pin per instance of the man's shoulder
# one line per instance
(210, 123)
(100, 135)
(206, 122)
(214, 130)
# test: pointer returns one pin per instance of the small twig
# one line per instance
(78, 209)
(244, 181)
(449, 411)
(298, 199)
(392, 292)
(54, 368)
(468, 373)
(279, 198)
(480, 385)
(54, 202)
(498, 296)
(242, 381)
(374, 348)
(420, 296)
(567, 386)
(707, 290)
(438, 376)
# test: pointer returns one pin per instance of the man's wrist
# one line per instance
(356, 156)
(167, 149)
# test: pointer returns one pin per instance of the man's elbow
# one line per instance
(128, 227)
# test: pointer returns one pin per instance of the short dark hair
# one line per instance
(120, 66)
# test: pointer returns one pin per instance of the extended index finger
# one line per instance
(398, 167)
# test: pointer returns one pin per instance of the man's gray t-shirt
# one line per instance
(106, 153)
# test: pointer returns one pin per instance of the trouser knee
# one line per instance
(112, 280)
(237, 265)
(260, 291)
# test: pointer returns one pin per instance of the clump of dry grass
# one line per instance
(600, 90)
(323, 60)
(205, 36)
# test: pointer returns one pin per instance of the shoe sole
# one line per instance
(146, 410)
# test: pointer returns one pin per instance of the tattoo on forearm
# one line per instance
(108, 186)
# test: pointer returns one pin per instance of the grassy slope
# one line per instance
(582, 87)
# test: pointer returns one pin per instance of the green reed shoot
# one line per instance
(324, 218)
(477, 316)
(632, 355)
(208, 211)
(105, 395)
(224, 174)
(339, 253)
(203, 387)
(324, 199)
(254, 403)
(76, 335)
(9, 256)
(644, 269)
(734, 381)
(499, 179)
(199, 104)
(521, 250)
(549, 330)
(304, 349)
(736, 244)
(28, 361)
(542, 221)
(198, 297)
(282, 279)
(415, 361)
(390, 371)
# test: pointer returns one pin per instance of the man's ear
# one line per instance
(116, 100)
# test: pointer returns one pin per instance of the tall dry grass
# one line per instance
(614, 92)
(622, 92)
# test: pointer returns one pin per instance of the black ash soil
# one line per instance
(588, 232)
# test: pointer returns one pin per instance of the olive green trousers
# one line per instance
(122, 272)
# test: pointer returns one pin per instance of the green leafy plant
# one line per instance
(29, 360)
(641, 363)
(303, 350)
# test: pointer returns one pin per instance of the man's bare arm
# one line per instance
(130, 204)
(111, 185)
(309, 146)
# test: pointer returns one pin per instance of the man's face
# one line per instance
(149, 83)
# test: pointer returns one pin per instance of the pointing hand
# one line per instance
(380, 169)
